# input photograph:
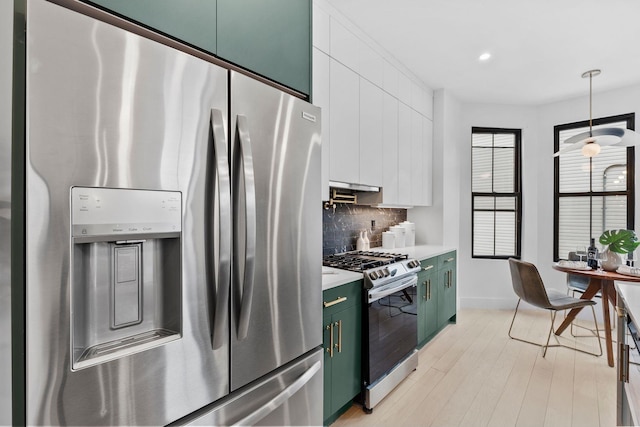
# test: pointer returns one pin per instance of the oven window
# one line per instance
(392, 332)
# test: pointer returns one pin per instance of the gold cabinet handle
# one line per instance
(449, 259)
(339, 345)
(429, 267)
(429, 288)
(623, 362)
(334, 302)
(330, 349)
(426, 290)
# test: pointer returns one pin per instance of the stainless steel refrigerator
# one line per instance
(172, 236)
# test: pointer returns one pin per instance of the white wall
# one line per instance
(486, 283)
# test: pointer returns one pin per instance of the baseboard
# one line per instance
(489, 303)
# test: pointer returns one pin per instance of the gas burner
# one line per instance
(361, 260)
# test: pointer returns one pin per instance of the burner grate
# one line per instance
(361, 260)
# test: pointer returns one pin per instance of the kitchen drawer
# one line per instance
(445, 260)
(431, 264)
(351, 291)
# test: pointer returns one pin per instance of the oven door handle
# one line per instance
(376, 294)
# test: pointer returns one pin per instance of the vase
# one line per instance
(611, 260)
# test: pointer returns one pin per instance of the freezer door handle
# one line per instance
(218, 177)
(244, 161)
(281, 397)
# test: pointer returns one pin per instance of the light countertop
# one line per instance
(332, 277)
(630, 292)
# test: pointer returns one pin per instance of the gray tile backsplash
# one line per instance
(341, 228)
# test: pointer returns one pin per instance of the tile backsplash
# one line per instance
(342, 226)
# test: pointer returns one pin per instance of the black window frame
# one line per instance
(629, 118)
(517, 194)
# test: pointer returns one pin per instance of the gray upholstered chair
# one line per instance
(528, 286)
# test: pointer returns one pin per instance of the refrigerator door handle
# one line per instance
(245, 160)
(281, 397)
(220, 153)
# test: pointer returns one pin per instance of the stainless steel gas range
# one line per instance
(389, 321)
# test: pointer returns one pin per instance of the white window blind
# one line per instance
(495, 188)
(591, 196)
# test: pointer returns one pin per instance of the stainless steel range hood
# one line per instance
(353, 187)
(356, 194)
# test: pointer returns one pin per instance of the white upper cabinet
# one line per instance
(405, 89)
(321, 30)
(416, 159)
(344, 45)
(427, 161)
(371, 64)
(371, 106)
(321, 98)
(344, 117)
(390, 150)
(404, 155)
(390, 78)
(377, 122)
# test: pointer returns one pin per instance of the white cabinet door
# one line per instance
(416, 159)
(344, 45)
(321, 29)
(371, 64)
(427, 161)
(390, 78)
(390, 150)
(321, 97)
(370, 133)
(345, 125)
(404, 155)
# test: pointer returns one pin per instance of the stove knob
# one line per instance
(373, 275)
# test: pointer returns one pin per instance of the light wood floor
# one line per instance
(472, 374)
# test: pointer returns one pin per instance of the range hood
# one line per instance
(353, 187)
(356, 194)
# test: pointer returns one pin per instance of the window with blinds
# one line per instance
(496, 192)
(592, 194)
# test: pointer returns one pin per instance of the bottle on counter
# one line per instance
(367, 243)
(592, 254)
(360, 242)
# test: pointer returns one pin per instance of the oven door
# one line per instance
(392, 327)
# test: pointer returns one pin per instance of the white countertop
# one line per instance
(332, 277)
(630, 292)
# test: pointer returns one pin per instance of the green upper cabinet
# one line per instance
(269, 37)
(192, 21)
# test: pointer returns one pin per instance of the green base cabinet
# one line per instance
(342, 335)
(427, 300)
(447, 288)
(436, 295)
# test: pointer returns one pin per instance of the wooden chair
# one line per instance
(528, 286)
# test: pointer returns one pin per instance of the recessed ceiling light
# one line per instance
(484, 56)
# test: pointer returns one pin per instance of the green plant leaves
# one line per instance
(620, 241)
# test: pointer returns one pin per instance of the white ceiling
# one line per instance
(539, 48)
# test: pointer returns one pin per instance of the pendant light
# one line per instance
(590, 142)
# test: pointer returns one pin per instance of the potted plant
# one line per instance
(618, 242)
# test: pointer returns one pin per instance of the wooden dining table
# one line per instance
(598, 281)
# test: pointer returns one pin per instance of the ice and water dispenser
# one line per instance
(126, 282)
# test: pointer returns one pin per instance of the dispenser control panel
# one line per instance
(99, 211)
